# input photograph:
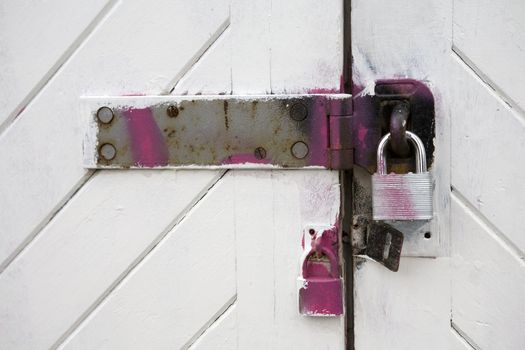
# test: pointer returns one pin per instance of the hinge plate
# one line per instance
(268, 131)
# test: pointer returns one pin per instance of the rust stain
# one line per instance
(226, 122)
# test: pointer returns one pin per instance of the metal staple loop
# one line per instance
(398, 123)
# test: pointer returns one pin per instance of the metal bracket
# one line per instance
(377, 240)
(285, 131)
(372, 113)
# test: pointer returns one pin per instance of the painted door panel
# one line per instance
(160, 259)
(466, 296)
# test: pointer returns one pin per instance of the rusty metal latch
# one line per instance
(268, 131)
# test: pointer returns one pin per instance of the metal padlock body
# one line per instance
(320, 285)
(402, 196)
(321, 296)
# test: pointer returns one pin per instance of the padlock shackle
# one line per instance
(421, 157)
(334, 265)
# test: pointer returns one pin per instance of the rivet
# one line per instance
(260, 153)
(107, 151)
(105, 115)
(298, 111)
(300, 150)
(172, 111)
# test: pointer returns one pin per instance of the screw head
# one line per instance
(172, 111)
(107, 151)
(298, 111)
(300, 150)
(105, 115)
(260, 153)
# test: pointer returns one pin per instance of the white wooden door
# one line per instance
(155, 259)
(464, 287)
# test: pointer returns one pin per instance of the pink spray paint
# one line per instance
(148, 145)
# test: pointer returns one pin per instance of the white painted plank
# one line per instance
(181, 285)
(113, 220)
(211, 74)
(388, 43)
(269, 231)
(311, 62)
(490, 35)
(250, 51)
(222, 334)
(457, 342)
(43, 146)
(408, 309)
(487, 285)
(488, 143)
(36, 38)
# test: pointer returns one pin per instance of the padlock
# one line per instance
(402, 196)
(320, 288)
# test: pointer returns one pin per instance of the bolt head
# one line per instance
(107, 151)
(260, 153)
(105, 115)
(172, 111)
(300, 150)
(298, 111)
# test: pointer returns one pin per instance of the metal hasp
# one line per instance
(381, 112)
(285, 131)
(320, 284)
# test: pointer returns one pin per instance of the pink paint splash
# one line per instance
(244, 158)
(148, 145)
(322, 91)
(321, 293)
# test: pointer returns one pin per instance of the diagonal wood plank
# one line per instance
(488, 139)
(43, 146)
(37, 38)
(488, 34)
(178, 288)
(487, 283)
(220, 335)
(114, 220)
(458, 341)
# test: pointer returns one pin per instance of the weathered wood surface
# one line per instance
(472, 298)
(157, 259)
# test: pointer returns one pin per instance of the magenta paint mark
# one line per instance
(244, 158)
(400, 201)
(148, 145)
(361, 134)
(21, 111)
(322, 91)
(322, 291)
(321, 296)
(367, 121)
(317, 123)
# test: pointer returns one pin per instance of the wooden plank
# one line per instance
(250, 51)
(181, 285)
(303, 62)
(35, 44)
(41, 152)
(488, 283)
(221, 335)
(414, 43)
(488, 34)
(488, 143)
(457, 342)
(408, 309)
(269, 232)
(103, 231)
